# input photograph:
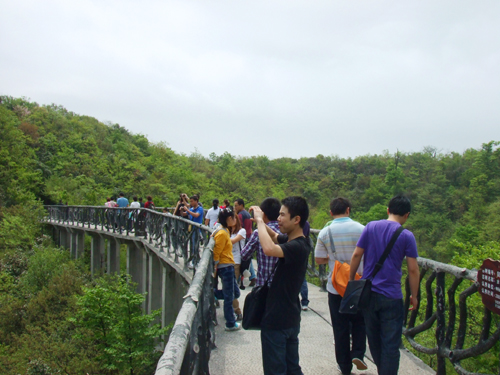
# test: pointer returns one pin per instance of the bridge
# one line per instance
(170, 259)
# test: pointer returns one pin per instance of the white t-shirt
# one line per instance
(135, 205)
(213, 216)
(238, 246)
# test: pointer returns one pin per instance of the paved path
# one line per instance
(240, 352)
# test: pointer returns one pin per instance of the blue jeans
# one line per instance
(280, 351)
(229, 292)
(252, 272)
(304, 293)
(384, 327)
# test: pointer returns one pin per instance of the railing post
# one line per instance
(113, 260)
(441, 323)
(72, 244)
(96, 255)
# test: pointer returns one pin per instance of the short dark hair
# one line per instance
(134, 198)
(339, 206)
(297, 206)
(121, 195)
(271, 207)
(194, 197)
(215, 202)
(224, 214)
(140, 199)
(400, 205)
(149, 198)
(240, 201)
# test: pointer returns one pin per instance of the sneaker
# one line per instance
(305, 308)
(242, 287)
(252, 282)
(237, 327)
(239, 317)
(359, 364)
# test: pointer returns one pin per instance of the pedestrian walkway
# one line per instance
(240, 352)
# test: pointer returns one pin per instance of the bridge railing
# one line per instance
(192, 338)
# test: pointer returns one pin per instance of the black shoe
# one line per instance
(252, 282)
(242, 287)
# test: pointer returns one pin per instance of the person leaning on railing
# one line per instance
(224, 267)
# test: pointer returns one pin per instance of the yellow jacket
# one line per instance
(223, 248)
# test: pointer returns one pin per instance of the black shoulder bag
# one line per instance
(358, 292)
(255, 304)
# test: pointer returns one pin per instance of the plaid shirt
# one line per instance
(266, 264)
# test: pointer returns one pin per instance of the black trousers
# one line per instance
(345, 326)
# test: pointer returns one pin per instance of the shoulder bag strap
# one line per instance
(387, 250)
(331, 242)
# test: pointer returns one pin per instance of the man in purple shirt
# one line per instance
(271, 208)
(384, 314)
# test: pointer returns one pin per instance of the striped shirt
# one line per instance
(266, 264)
(345, 233)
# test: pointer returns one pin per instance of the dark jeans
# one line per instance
(280, 351)
(304, 292)
(384, 326)
(229, 292)
(345, 326)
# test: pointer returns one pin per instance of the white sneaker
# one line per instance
(305, 308)
(237, 327)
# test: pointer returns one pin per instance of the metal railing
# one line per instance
(192, 338)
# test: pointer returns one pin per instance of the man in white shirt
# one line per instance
(212, 214)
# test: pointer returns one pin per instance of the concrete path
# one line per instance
(240, 352)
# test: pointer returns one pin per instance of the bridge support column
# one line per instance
(171, 296)
(136, 265)
(96, 255)
(155, 283)
(113, 265)
(80, 243)
(64, 238)
(73, 244)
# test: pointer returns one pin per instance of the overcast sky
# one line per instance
(275, 78)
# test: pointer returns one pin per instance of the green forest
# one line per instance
(48, 154)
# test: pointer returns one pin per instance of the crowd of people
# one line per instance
(282, 247)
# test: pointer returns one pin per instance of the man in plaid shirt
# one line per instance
(271, 208)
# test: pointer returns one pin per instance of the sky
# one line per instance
(276, 78)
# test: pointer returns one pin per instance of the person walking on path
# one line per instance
(384, 314)
(280, 325)
(224, 267)
(246, 223)
(337, 242)
(238, 235)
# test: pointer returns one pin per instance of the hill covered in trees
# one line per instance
(52, 154)
(48, 153)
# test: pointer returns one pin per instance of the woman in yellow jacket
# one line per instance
(224, 262)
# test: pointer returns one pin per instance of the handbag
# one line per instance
(340, 272)
(255, 305)
(358, 292)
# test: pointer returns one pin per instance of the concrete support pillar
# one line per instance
(64, 238)
(80, 243)
(73, 244)
(56, 235)
(97, 255)
(113, 257)
(145, 273)
(135, 265)
(155, 283)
